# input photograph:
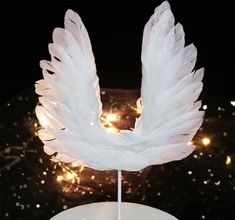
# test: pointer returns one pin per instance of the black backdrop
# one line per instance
(115, 29)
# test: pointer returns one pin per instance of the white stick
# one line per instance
(119, 193)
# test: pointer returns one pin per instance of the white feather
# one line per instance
(71, 106)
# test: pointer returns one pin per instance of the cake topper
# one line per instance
(70, 105)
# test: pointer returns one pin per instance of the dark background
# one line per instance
(115, 29)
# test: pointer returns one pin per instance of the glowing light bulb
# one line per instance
(206, 141)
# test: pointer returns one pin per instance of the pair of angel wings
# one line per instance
(70, 105)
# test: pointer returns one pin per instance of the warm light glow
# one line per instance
(190, 143)
(112, 130)
(82, 168)
(228, 160)
(206, 141)
(75, 165)
(93, 177)
(105, 121)
(112, 117)
(69, 176)
(59, 178)
(137, 110)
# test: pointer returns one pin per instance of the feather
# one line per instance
(70, 105)
(169, 87)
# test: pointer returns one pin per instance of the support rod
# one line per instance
(119, 193)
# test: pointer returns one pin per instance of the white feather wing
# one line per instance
(70, 99)
(70, 105)
(170, 87)
(70, 90)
